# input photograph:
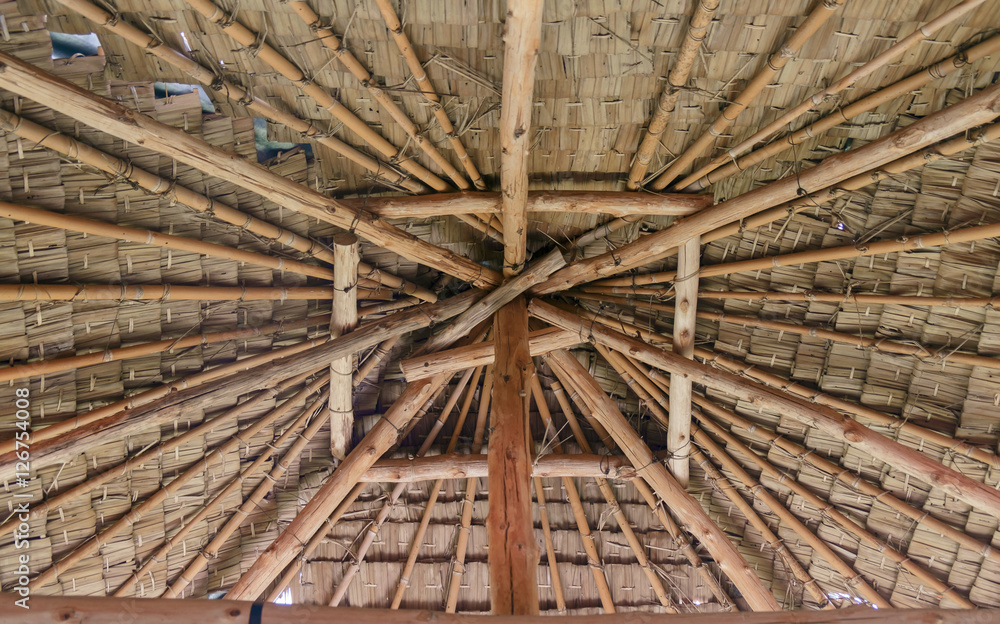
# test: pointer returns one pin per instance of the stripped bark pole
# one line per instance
(725, 216)
(450, 465)
(238, 95)
(823, 10)
(808, 413)
(170, 189)
(425, 520)
(171, 292)
(614, 203)
(522, 38)
(696, 32)
(29, 81)
(343, 319)
(696, 520)
(513, 552)
(383, 434)
(685, 320)
(710, 173)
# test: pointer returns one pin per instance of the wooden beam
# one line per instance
(343, 319)
(975, 110)
(685, 320)
(170, 292)
(522, 37)
(495, 300)
(88, 610)
(539, 343)
(693, 516)
(170, 189)
(809, 413)
(462, 466)
(29, 81)
(821, 12)
(852, 297)
(614, 203)
(513, 551)
(697, 30)
(122, 419)
(114, 23)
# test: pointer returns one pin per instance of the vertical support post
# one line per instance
(685, 319)
(522, 37)
(344, 318)
(513, 551)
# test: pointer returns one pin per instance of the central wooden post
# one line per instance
(343, 319)
(513, 551)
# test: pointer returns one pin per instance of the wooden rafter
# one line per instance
(975, 110)
(127, 124)
(343, 320)
(685, 321)
(522, 37)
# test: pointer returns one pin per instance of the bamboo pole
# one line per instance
(167, 292)
(555, 579)
(697, 30)
(539, 343)
(40, 509)
(156, 239)
(848, 478)
(48, 367)
(495, 300)
(696, 520)
(293, 570)
(853, 298)
(385, 432)
(387, 507)
(655, 399)
(161, 404)
(482, 226)
(952, 445)
(351, 64)
(609, 497)
(102, 539)
(427, 89)
(603, 230)
(379, 308)
(970, 138)
(940, 588)
(425, 520)
(522, 37)
(808, 413)
(921, 34)
(469, 499)
(113, 23)
(978, 109)
(821, 12)
(88, 610)
(594, 561)
(343, 319)
(451, 465)
(236, 483)
(685, 320)
(29, 81)
(165, 187)
(513, 553)
(614, 203)
(919, 351)
(375, 358)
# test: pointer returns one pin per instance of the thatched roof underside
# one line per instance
(600, 71)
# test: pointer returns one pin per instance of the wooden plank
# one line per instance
(513, 551)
